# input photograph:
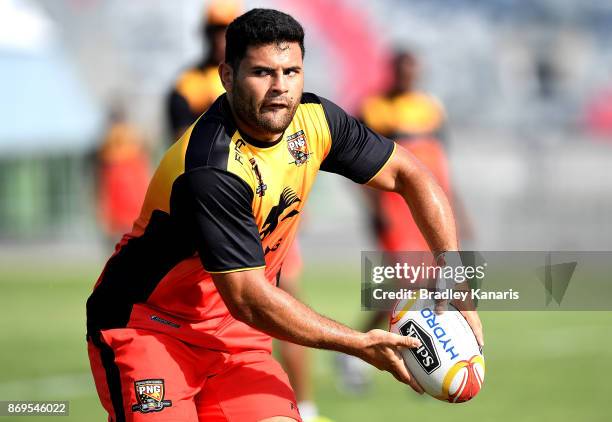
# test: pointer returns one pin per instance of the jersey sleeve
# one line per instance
(356, 152)
(218, 204)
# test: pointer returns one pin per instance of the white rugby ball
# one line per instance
(449, 365)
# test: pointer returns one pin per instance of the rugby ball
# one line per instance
(449, 365)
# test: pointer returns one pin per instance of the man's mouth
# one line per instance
(274, 106)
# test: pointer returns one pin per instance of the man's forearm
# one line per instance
(284, 317)
(427, 201)
(430, 209)
(275, 312)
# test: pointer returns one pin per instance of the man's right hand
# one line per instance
(383, 350)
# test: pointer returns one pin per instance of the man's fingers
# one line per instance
(411, 342)
(390, 357)
(466, 304)
(401, 373)
(404, 341)
(441, 306)
(475, 324)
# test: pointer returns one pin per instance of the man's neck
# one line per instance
(396, 91)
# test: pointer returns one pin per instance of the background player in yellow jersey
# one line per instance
(415, 120)
(122, 176)
(193, 93)
(199, 86)
(404, 112)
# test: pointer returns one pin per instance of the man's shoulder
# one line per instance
(421, 99)
(198, 85)
(195, 74)
(210, 137)
(188, 80)
(374, 101)
(329, 110)
(310, 98)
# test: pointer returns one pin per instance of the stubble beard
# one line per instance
(247, 110)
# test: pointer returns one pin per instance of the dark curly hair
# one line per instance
(258, 27)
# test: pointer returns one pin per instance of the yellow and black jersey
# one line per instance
(195, 90)
(221, 202)
(411, 115)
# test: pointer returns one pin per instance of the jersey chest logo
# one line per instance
(287, 198)
(298, 148)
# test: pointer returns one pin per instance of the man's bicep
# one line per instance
(239, 288)
(356, 151)
(401, 163)
(218, 204)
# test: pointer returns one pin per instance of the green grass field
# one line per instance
(540, 365)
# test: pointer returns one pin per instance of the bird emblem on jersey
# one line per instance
(287, 198)
(298, 148)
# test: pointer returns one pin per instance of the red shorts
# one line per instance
(142, 375)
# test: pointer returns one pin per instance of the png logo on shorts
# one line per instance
(150, 396)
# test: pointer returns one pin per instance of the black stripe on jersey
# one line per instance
(131, 275)
(356, 151)
(310, 98)
(210, 137)
(260, 144)
(217, 204)
(113, 378)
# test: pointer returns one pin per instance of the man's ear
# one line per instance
(226, 73)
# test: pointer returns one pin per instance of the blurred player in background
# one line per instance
(195, 90)
(199, 86)
(416, 121)
(122, 167)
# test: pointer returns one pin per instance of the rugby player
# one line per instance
(122, 176)
(192, 94)
(417, 121)
(181, 319)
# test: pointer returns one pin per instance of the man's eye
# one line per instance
(261, 72)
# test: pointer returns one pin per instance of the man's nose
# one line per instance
(279, 83)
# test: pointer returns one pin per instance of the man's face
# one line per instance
(215, 40)
(406, 72)
(266, 90)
